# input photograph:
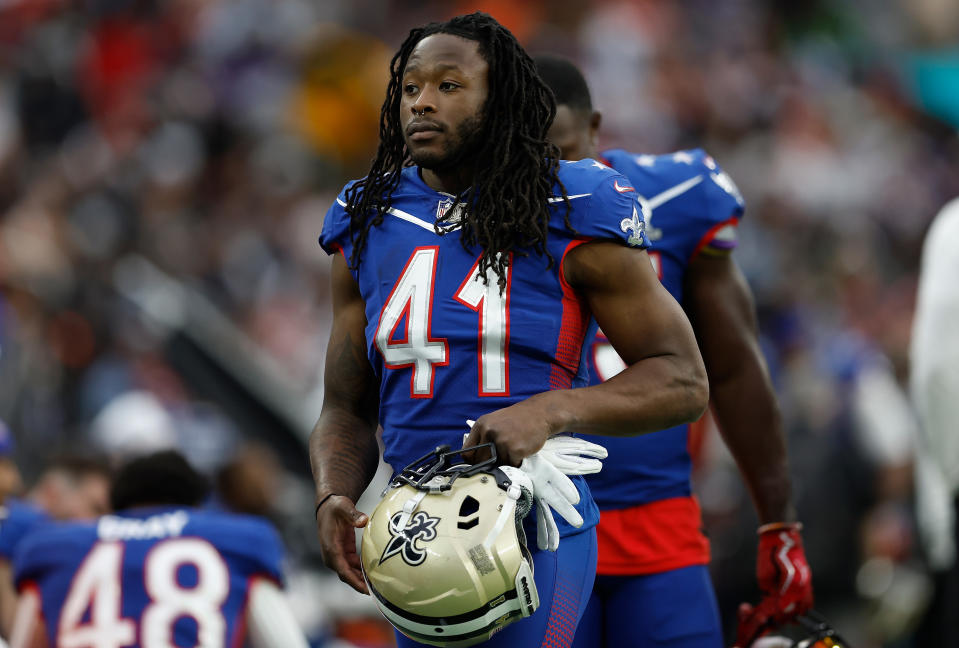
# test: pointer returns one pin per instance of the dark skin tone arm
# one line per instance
(343, 448)
(664, 383)
(720, 307)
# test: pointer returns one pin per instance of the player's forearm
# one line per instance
(343, 453)
(748, 417)
(343, 449)
(270, 619)
(653, 394)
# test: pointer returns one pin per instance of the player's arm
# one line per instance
(663, 385)
(720, 307)
(270, 619)
(29, 630)
(8, 598)
(665, 382)
(343, 447)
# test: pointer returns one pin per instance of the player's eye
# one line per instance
(448, 85)
(409, 88)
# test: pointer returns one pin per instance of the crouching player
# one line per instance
(157, 573)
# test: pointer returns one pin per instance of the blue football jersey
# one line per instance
(17, 519)
(691, 207)
(159, 576)
(447, 346)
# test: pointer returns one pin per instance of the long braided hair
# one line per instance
(506, 208)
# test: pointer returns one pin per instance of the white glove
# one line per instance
(560, 456)
(552, 490)
(544, 474)
(573, 456)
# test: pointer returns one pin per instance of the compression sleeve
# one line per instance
(270, 619)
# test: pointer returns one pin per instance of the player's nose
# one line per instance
(425, 102)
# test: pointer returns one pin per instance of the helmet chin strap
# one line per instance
(506, 515)
(409, 507)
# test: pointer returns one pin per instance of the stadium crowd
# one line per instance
(151, 150)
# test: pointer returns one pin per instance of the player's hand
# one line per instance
(335, 524)
(517, 431)
(784, 580)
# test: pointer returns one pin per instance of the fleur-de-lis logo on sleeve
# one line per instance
(635, 226)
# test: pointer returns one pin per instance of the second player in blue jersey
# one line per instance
(653, 555)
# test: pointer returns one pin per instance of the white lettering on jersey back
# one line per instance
(111, 527)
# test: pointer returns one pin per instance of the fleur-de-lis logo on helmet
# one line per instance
(421, 527)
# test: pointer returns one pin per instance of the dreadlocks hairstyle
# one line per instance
(506, 209)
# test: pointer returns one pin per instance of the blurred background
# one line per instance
(165, 168)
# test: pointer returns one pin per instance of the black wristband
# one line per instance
(316, 511)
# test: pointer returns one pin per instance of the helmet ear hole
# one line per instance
(469, 506)
(469, 513)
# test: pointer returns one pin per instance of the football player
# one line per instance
(159, 572)
(467, 268)
(652, 555)
(71, 487)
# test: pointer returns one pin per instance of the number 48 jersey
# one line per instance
(448, 346)
(150, 578)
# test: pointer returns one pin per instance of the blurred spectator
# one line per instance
(250, 482)
(71, 487)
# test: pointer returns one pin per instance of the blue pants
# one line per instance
(673, 609)
(564, 579)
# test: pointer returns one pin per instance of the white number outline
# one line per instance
(655, 258)
(384, 341)
(98, 580)
(492, 359)
(482, 298)
(162, 601)
(103, 567)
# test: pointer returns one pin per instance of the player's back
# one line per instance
(691, 207)
(690, 203)
(148, 577)
(17, 518)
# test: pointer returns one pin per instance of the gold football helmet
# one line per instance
(816, 632)
(444, 553)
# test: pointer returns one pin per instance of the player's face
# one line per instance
(573, 131)
(444, 87)
(85, 498)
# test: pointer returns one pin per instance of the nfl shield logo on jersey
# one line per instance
(450, 217)
(442, 207)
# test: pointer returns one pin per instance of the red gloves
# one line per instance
(784, 580)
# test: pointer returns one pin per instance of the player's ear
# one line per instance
(595, 119)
